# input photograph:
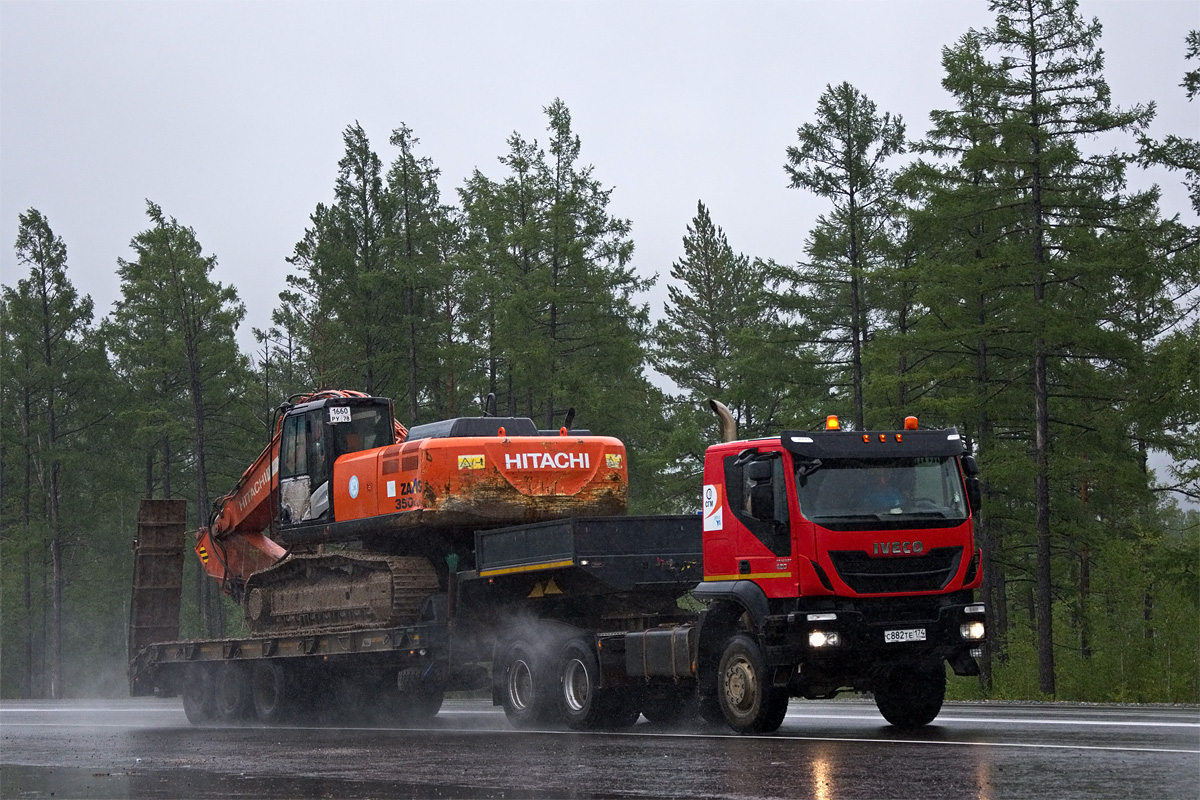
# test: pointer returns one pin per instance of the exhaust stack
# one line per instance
(725, 421)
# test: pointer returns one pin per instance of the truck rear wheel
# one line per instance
(582, 703)
(579, 679)
(234, 700)
(911, 697)
(748, 699)
(525, 691)
(199, 703)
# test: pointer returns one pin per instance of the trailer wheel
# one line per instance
(525, 691)
(911, 697)
(199, 703)
(421, 694)
(233, 698)
(273, 687)
(750, 703)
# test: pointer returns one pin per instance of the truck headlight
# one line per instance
(823, 639)
(972, 631)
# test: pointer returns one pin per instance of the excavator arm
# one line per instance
(232, 547)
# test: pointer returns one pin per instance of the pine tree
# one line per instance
(421, 246)
(554, 306)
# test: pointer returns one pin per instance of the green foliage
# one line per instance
(843, 156)
(723, 337)
(1004, 281)
(56, 406)
(172, 338)
(554, 308)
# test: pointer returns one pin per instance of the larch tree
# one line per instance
(722, 337)
(844, 156)
(54, 377)
(1031, 91)
(559, 322)
(343, 297)
(173, 330)
(420, 254)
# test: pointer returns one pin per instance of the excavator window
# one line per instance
(294, 445)
(369, 427)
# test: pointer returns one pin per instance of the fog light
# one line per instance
(976, 652)
(972, 630)
(823, 639)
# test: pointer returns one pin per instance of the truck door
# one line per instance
(758, 499)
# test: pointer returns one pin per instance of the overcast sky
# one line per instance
(230, 114)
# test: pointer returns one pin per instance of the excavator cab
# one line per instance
(313, 436)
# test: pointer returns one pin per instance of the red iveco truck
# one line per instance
(822, 561)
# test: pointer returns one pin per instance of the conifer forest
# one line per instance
(990, 268)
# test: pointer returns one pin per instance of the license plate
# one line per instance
(907, 635)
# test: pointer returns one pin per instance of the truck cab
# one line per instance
(838, 560)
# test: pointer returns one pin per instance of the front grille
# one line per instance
(926, 573)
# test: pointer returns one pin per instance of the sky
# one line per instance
(229, 115)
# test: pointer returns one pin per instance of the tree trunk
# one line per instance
(27, 601)
(1085, 591)
(411, 311)
(26, 521)
(56, 584)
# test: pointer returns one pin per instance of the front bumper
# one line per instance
(848, 641)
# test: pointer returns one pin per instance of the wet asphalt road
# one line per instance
(827, 750)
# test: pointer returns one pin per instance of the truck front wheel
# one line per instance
(749, 700)
(910, 697)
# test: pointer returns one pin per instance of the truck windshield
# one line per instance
(850, 489)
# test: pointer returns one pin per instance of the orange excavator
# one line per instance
(347, 519)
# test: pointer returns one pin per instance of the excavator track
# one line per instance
(339, 591)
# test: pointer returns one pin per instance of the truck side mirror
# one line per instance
(974, 496)
(759, 471)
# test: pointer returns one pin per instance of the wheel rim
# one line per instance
(577, 686)
(229, 694)
(520, 684)
(740, 684)
(195, 698)
(266, 690)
